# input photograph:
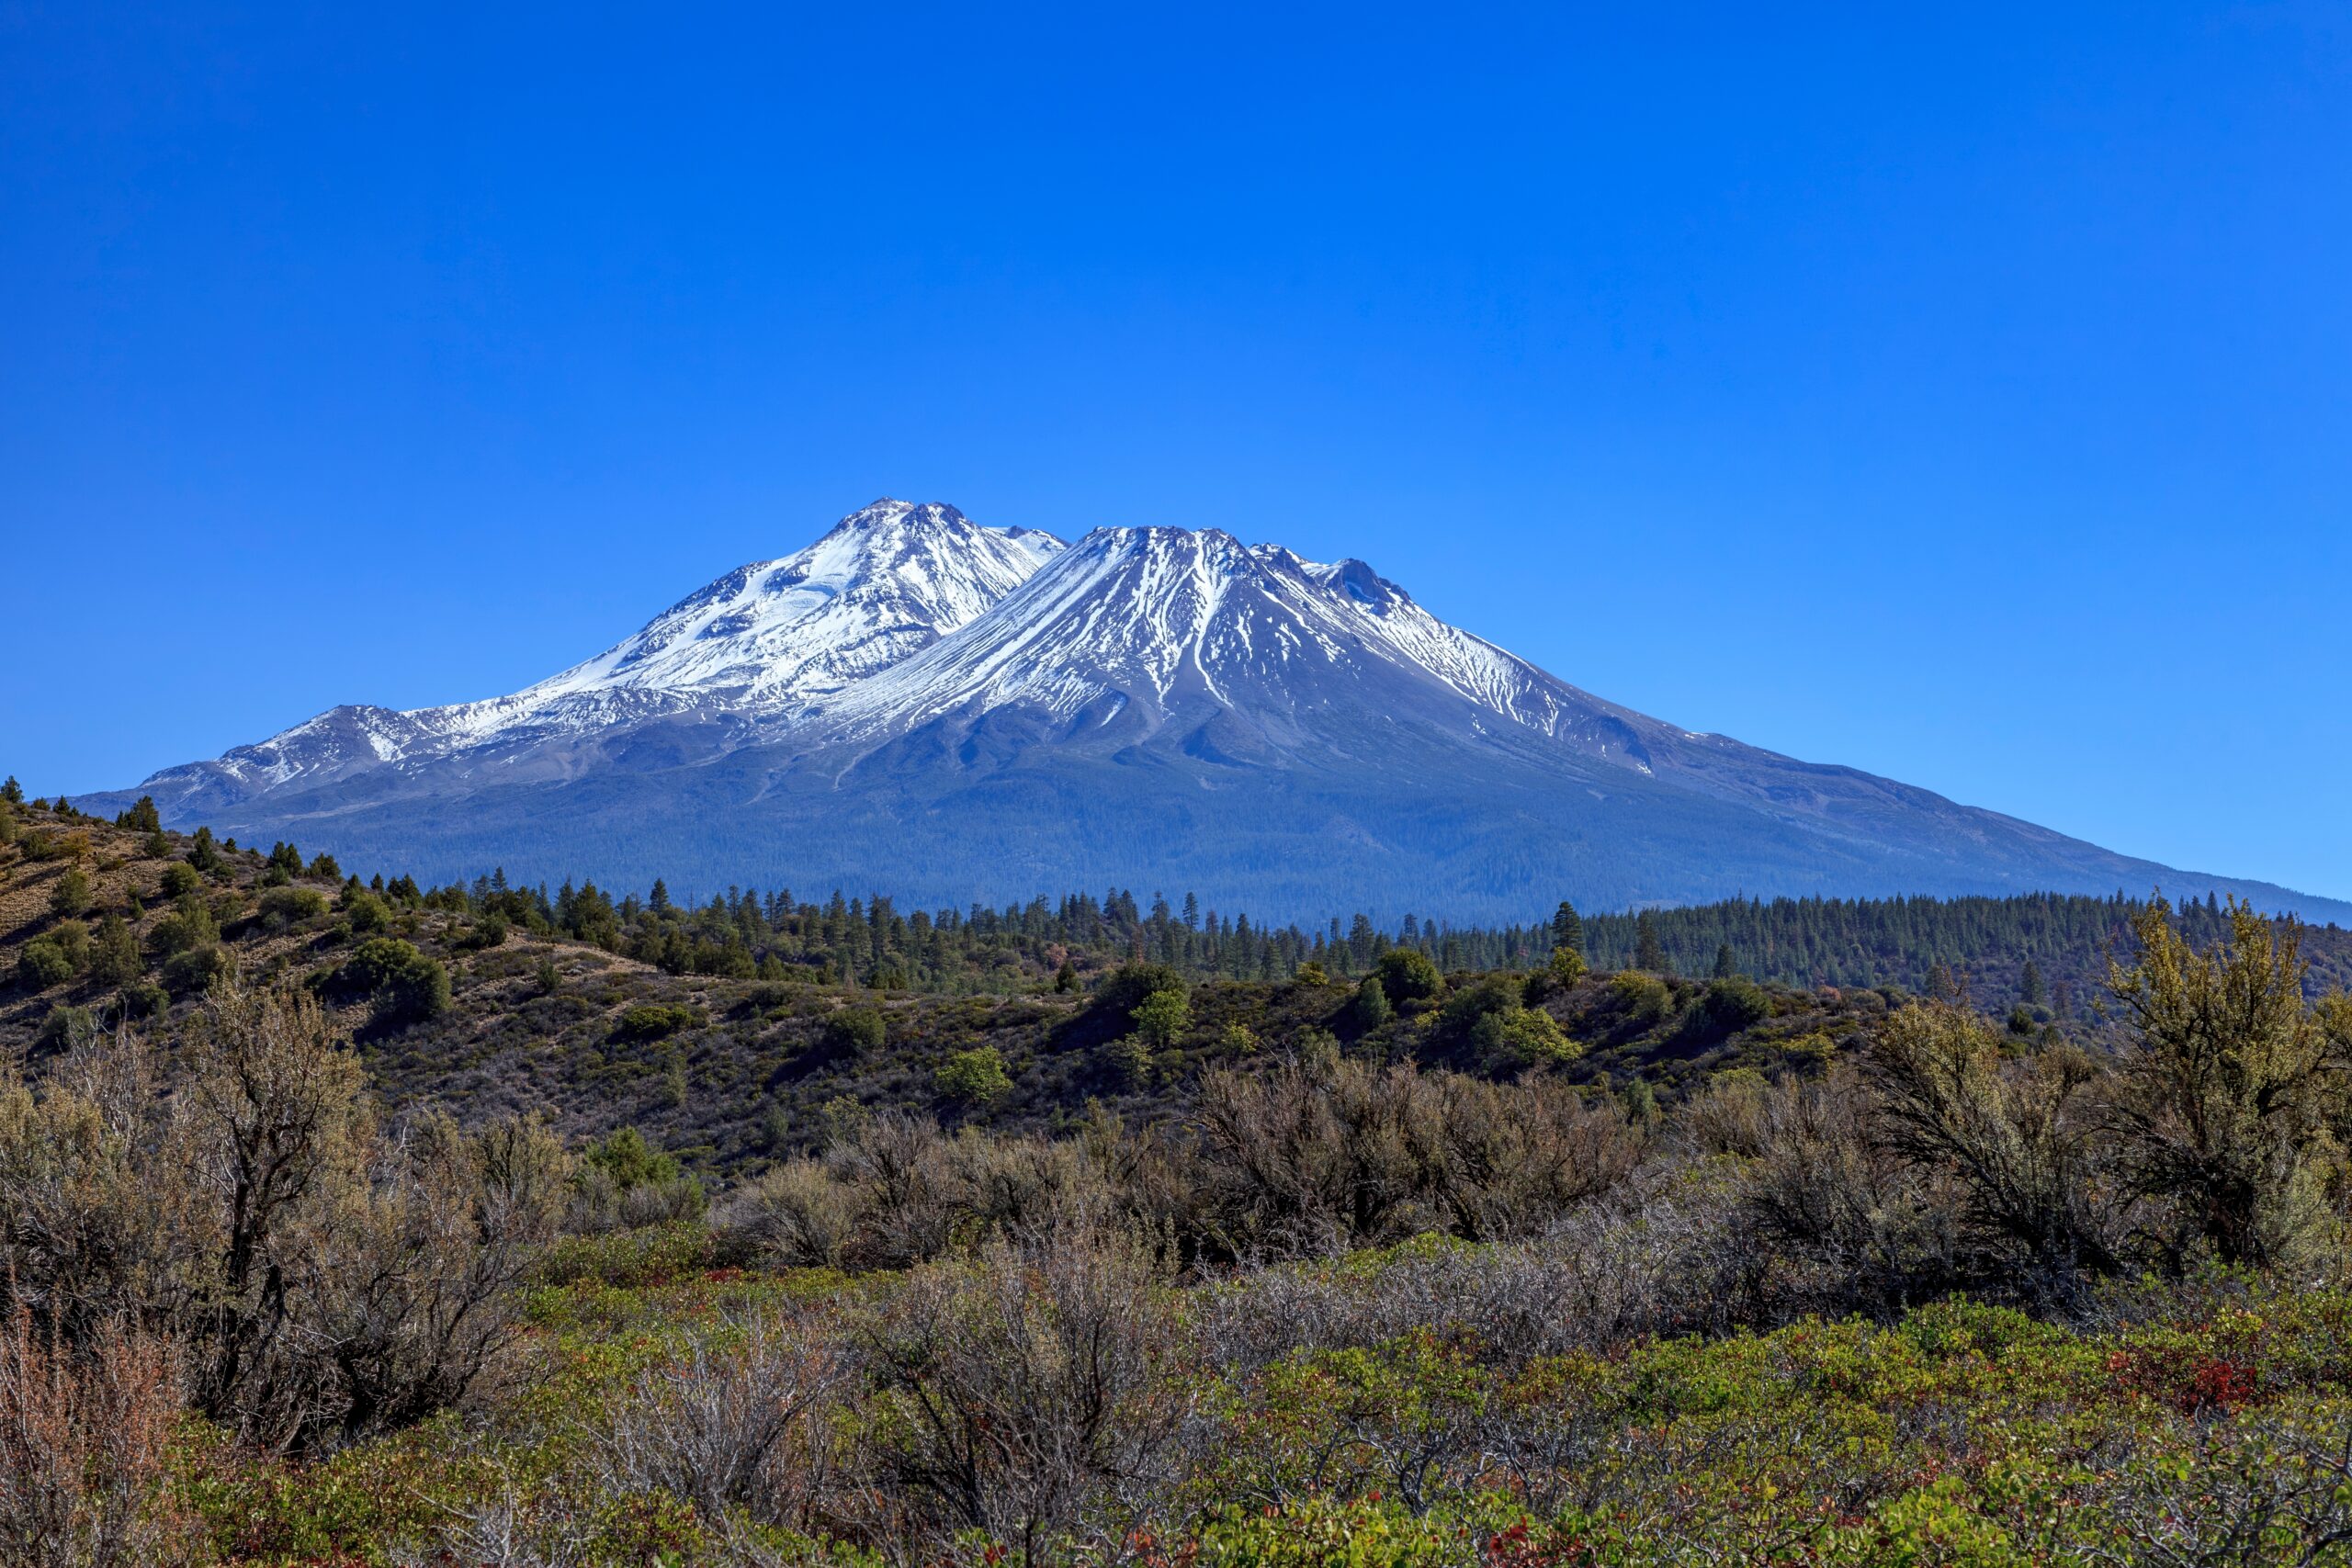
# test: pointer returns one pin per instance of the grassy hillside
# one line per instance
(726, 1070)
(731, 1031)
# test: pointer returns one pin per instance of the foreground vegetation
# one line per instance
(1499, 1267)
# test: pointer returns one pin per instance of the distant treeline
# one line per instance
(2046, 951)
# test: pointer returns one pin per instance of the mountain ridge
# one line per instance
(918, 701)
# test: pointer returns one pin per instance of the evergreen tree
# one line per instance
(2030, 987)
(1725, 968)
(1568, 928)
(1649, 953)
(658, 900)
(12, 792)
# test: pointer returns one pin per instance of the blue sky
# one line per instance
(1965, 396)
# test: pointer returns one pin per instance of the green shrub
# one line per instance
(1642, 998)
(857, 1031)
(1529, 1037)
(1408, 974)
(180, 879)
(366, 913)
(407, 986)
(65, 1027)
(71, 894)
(1117, 996)
(629, 1260)
(654, 1020)
(629, 1159)
(197, 969)
(41, 964)
(1160, 1017)
(1729, 1005)
(284, 907)
(976, 1077)
(114, 953)
(190, 927)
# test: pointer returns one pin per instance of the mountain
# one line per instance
(952, 713)
(757, 644)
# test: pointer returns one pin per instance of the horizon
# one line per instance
(1954, 399)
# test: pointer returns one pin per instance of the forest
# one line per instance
(351, 1223)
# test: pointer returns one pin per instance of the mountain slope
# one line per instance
(955, 713)
(886, 580)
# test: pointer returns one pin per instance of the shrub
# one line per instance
(180, 879)
(1408, 975)
(406, 985)
(1467, 1008)
(857, 1031)
(41, 964)
(1731, 1005)
(197, 969)
(1025, 1388)
(732, 1426)
(976, 1077)
(2014, 1138)
(85, 1438)
(1640, 999)
(114, 953)
(366, 913)
(65, 1027)
(283, 907)
(1529, 1037)
(2220, 1112)
(1126, 988)
(1160, 1017)
(191, 925)
(1369, 1008)
(798, 1213)
(654, 1020)
(71, 894)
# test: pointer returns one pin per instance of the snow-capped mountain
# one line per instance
(1154, 618)
(945, 711)
(756, 645)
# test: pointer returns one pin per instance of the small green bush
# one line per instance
(1408, 974)
(284, 907)
(857, 1031)
(654, 1020)
(196, 969)
(72, 893)
(41, 964)
(976, 1077)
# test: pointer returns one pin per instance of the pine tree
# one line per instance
(1725, 968)
(658, 900)
(1648, 951)
(2029, 985)
(1568, 928)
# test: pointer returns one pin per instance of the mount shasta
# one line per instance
(949, 712)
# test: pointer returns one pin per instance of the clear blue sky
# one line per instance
(1963, 394)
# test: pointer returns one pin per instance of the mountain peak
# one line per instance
(916, 698)
(889, 511)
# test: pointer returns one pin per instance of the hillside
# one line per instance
(733, 1032)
